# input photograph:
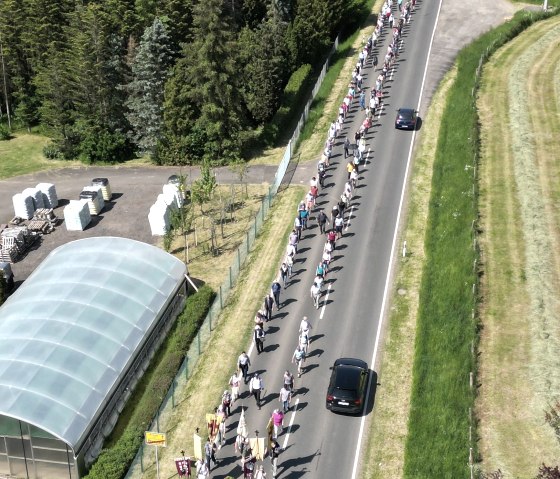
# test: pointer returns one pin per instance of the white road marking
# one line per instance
(387, 276)
(287, 437)
(325, 302)
(349, 218)
(380, 110)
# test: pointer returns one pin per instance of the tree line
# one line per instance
(181, 80)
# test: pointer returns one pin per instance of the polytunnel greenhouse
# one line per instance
(75, 339)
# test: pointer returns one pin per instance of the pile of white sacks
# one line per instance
(171, 198)
(31, 199)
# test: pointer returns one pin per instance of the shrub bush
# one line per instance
(4, 133)
(114, 461)
(293, 99)
(51, 151)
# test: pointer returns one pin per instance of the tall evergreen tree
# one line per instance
(266, 62)
(146, 90)
(311, 30)
(203, 106)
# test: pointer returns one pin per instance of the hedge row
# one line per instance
(114, 461)
(438, 430)
(294, 96)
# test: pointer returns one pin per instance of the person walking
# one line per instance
(275, 290)
(210, 453)
(226, 403)
(234, 382)
(298, 358)
(305, 325)
(346, 147)
(255, 387)
(278, 423)
(338, 226)
(288, 381)
(284, 273)
(243, 363)
(350, 167)
(285, 396)
(258, 337)
(275, 450)
(289, 260)
(362, 100)
(268, 303)
(260, 474)
(202, 471)
(322, 220)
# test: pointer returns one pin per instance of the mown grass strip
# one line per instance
(438, 431)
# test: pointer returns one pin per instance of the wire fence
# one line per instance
(145, 458)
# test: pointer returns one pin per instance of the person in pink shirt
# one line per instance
(277, 422)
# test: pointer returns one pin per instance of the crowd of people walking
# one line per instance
(331, 225)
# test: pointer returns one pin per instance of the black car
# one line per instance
(406, 119)
(348, 385)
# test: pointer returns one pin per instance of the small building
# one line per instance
(75, 339)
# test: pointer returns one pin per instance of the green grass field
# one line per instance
(438, 429)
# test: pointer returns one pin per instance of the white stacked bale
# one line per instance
(99, 190)
(169, 198)
(173, 189)
(24, 206)
(158, 218)
(92, 198)
(105, 187)
(37, 196)
(77, 215)
(50, 198)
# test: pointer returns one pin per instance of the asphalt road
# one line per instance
(320, 443)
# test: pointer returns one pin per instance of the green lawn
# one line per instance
(24, 154)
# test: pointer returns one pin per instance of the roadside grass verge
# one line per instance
(388, 428)
(438, 428)
(231, 336)
(521, 242)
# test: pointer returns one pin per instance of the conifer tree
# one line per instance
(146, 90)
(203, 104)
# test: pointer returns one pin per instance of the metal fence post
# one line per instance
(221, 298)
(173, 394)
(210, 319)
(262, 209)
(248, 247)
(239, 259)
(230, 279)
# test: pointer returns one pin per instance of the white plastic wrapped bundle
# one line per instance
(50, 198)
(105, 187)
(93, 203)
(173, 189)
(77, 215)
(99, 190)
(158, 218)
(169, 198)
(37, 196)
(23, 205)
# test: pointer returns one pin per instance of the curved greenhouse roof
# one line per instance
(68, 334)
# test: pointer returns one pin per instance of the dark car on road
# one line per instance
(406, 119)
(348, 385)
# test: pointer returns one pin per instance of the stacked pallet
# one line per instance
(50, 198)
(105, 187)
(14, 242)
(77, 215)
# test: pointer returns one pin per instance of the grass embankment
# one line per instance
(438, 428)
(392, 403)
(519, 107)
(231, 335)
(23, 154)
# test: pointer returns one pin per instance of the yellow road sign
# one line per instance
(155, 439)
